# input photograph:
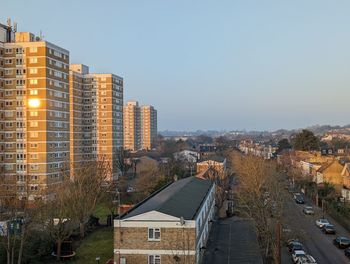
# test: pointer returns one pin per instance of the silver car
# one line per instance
(308, 210)
(321, 222)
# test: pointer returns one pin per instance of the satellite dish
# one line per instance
(182, 221)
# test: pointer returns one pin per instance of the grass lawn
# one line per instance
(97, 244)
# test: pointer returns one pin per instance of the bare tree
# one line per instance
(86, 189)
(58, 214)
(122, 162)
(18, 212)
(147, 180)
(260, 196)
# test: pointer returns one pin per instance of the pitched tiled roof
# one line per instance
(325, 166)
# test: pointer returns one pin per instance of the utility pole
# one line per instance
(278, 242)
(322, 208)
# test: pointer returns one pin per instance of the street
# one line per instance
(319, 245)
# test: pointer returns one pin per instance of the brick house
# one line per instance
(330, 172)
(345, 192)
(170, 226)
(217, 163)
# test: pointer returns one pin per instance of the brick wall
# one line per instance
(171, 238)
(165, 259)
(136, 238)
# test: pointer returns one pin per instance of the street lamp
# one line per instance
(98, 260)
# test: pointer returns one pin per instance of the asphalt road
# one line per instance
(232, 241)
(319, 245)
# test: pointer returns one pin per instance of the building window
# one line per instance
(33, 92)
(34, 166)
(34, 187)
(154, 259)
(122, 260)
(34, 124)
(33, 60)
(34, 156)
(33, 49)
(33, 71)
(153, 234)
(34, 134)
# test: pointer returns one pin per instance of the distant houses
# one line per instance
(266, 151)
(321, 169)
(187, 156)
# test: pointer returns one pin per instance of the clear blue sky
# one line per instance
(210, 64)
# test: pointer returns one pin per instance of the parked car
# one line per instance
(292, 240)
(296, 194)
(341, 242)
(299, 199)
(308, 259)
(295, 245)
(328, 229)
(308, 210)
(321, 222)
(347, 252)
(297, 254)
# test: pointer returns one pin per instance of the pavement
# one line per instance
(232, 241)
(319, 245)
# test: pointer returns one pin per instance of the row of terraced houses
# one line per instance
(53, 113)
(322, 169)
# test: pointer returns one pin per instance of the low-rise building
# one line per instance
(170, 226)
(189, 156)
(345, 192)
(330, 172)
(215, 163)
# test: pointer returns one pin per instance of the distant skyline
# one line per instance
(210, 65)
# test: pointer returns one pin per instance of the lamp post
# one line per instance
(119, 222)
(98, 260)
(322, 208)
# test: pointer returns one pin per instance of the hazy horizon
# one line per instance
(254, 65)
(252, 130)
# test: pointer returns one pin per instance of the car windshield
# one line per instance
(298, 246)
(324, 221)
(308, 207)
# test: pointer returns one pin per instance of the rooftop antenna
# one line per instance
(41, 36)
